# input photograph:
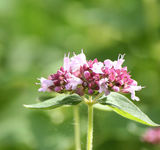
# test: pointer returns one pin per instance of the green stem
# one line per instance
(77, 128)
(90, 127)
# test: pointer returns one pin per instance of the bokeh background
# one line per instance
(35, 34)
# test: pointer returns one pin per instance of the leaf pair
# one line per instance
(115, 101)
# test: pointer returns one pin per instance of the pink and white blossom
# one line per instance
(91, 77)
(103, 87)
(73, 82)
(74, 63)
(45, 84)
(66, 63)
(97, 67)
(118, 64)
(108, 63)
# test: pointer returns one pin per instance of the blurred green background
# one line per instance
(35, 34)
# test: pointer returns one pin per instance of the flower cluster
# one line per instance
(91, 77)
(152, 136)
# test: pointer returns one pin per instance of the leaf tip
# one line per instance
(156, 125)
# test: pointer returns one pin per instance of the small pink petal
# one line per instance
(97, 67)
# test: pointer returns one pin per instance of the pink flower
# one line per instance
(152, 136)
(103, 87)
(118, 64)
(132, 88)
(66, 63)
(45, 84)
(73, 82)
(108, 63)
(112, 75)
(97, 67)
(73, 64)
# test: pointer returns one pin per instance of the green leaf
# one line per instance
(102, 107)
(57, 101)
(45, 97)
(124, 107)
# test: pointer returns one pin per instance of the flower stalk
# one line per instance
(90, 127)
(77, 128)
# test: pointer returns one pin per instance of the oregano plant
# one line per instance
(98, 85)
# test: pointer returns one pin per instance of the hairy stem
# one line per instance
(90, 127)
(77, 127)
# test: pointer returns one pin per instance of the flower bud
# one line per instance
(57, 89)
(87, 74)
(90, 91)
